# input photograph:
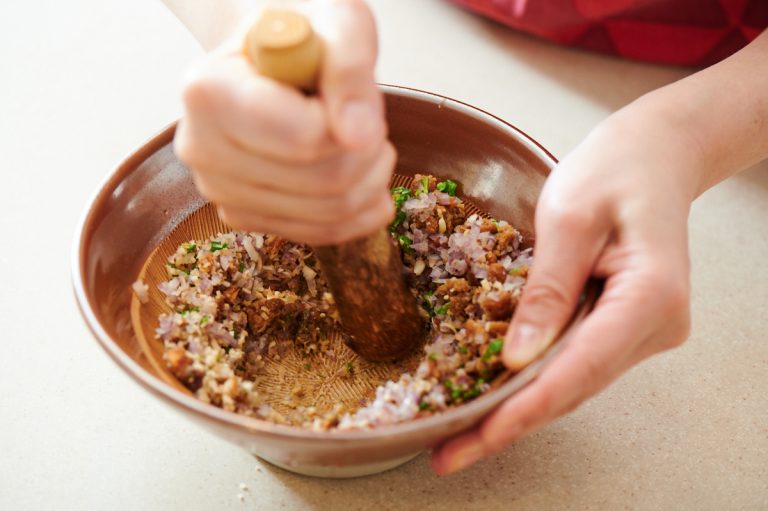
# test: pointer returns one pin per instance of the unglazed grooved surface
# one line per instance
(324, 384)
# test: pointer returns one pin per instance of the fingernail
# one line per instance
(527, 342)
(358, 122)
(465, 456)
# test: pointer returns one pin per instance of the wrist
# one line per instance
(652, 132)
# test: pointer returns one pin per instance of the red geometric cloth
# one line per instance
(680, 32)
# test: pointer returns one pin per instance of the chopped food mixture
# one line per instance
(238, 297)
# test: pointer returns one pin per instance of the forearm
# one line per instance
(722, 112)
(210, 21)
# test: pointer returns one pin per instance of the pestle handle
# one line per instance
(365, 275)
(282, 45)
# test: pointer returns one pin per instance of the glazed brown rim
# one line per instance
(251, 424)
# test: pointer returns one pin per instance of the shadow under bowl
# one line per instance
(500, 169)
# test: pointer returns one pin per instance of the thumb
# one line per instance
(347, 84)
(567, 246)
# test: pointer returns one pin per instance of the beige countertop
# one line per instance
(84, 82)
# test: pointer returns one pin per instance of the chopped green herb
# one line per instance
(307, 366)
(350, 368)
(520, 270)
(190, 309)
(448, 187)
(241, 267)
(400, 195)
(463, 350)
(190, 247)
(182, 270)
(397, 222)
(424, 406)
(475, 391)
(424, 188)
(204, 320)
(464, 394)
(406, 243)
(427, 304)
(443, 309)
(218, 245)
(493, 348)
(454, 391)
(432, 356)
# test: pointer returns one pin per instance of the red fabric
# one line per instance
(682, 32)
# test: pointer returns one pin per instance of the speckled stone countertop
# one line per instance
(85, 82)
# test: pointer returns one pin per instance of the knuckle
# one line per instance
(336, 179)
(346, 205)
(303, 153)
(545, 294)
(197, 91)
(207, 190)
(566, 218)
(303, 143)
(309, 141)
(547, 408)
(356, 66)
(677, 296)
(593, 373)
(190, 151)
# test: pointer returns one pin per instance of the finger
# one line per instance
(460, 452)
(568, 242)
(255, 113)
(347, 82)
(378, 214)
(209, 153)
(292, 204)
(536, 405)
(600, 349)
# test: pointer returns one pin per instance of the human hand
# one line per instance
(311, 169)
(615, 208)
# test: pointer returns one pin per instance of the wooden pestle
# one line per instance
(365, 275)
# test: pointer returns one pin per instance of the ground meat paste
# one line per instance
(239, 295)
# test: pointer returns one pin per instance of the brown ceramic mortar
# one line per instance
(500, 169)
